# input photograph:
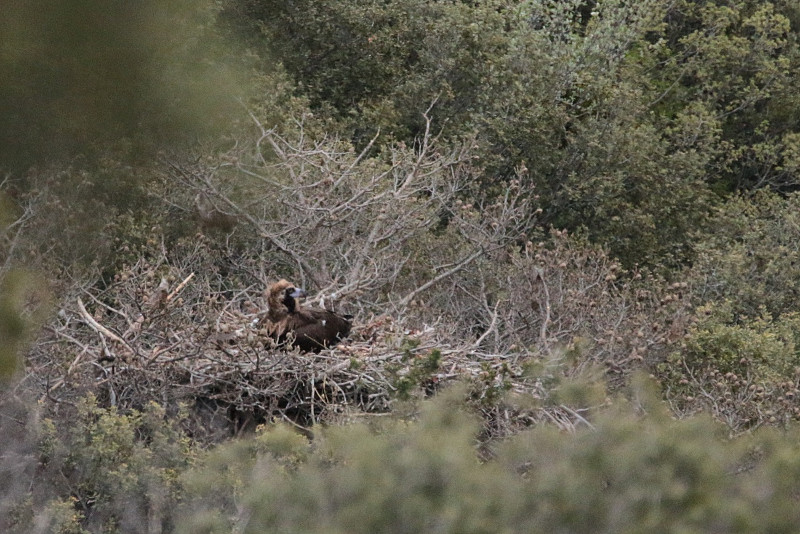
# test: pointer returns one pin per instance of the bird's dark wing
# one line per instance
(315, 329)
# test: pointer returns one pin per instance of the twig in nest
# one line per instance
(492, 327)
(102, 329)
(179, 288)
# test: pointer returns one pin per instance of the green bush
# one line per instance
(740, 357)
(631, 466)
(636, 469)
(750, 259)
(102, 471)
(759, 346)
(741, 369)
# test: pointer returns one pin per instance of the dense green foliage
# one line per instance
(626, 117)
(636, 468)
(540, 199)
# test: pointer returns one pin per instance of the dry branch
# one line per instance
(179, 287)
(100, 329)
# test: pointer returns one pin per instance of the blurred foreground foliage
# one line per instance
(635, 468)
(83, 76)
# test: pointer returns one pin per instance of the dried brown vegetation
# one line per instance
(165, 331)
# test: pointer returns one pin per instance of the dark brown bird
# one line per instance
(310, 329)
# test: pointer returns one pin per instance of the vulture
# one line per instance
(310, 329)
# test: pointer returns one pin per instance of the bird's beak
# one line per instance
(297, 293)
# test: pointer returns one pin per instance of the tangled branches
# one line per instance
(180, 341)
(443, 279)
(354, 225)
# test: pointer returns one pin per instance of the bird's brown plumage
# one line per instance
(310, 329)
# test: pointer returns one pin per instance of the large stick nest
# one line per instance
(186, 333)
(180, 342)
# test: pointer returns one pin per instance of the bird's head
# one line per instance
(283, 295)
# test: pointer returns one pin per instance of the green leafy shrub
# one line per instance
(631, 467)
(744, 370)
(740, 356)
(376, 65)
(627, 473)
(102, 471)
(737, 59)
(750, 260)
(419, 372)
(759, 346)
